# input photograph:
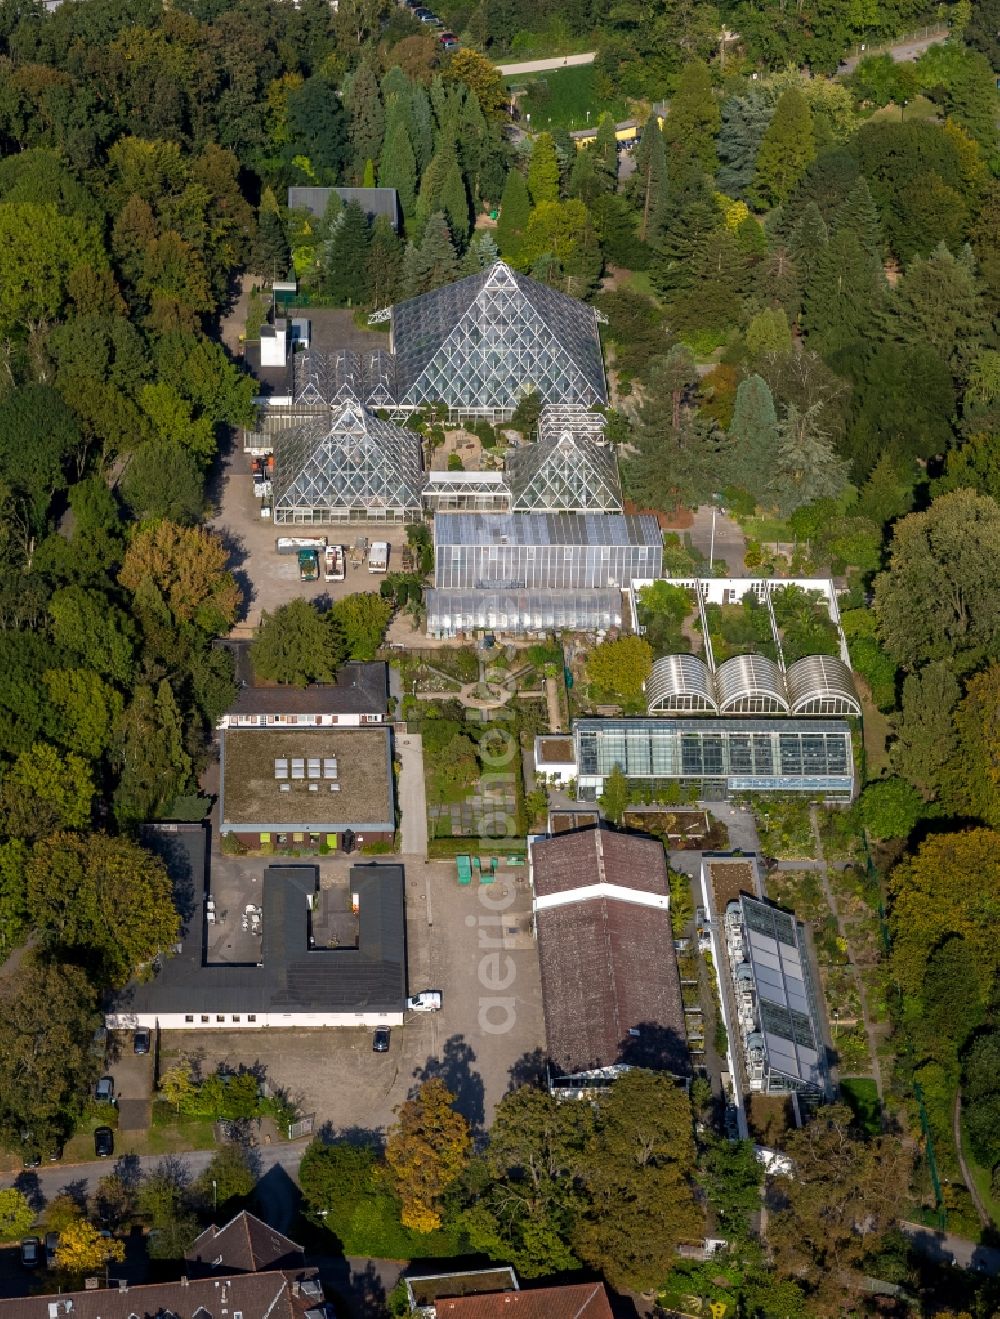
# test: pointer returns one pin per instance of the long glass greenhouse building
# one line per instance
(716, 758)
(544, 551)
(480, 345)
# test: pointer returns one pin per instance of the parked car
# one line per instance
(104, 1142)
(446, 36)
(104, 1091)
(31, 1252)
(51, 1246)
(449, 45)
(32, 1158)
(140, 1040)
(427, 1001)
(380, 1041)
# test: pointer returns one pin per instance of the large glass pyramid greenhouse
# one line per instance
(347, 466)
(481, 344)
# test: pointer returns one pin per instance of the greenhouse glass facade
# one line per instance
(544, 551)
(715, 758)
(478, 346)
(521, 613)
(347, 466)
(564, 473)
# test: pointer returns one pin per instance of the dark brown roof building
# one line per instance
(611, 991)
(585, 1300)
(294, 1294)
(243, 1245)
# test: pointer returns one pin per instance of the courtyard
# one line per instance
(473, 944)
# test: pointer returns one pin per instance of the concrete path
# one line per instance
(730, 543)
(946, 1248)
(542, 66)
(956, 1128)
(910, 48)
(412, 794)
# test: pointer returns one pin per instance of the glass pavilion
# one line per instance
(478, 346)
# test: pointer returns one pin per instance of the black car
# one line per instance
(140, 1040)
(104, 1142)
(380, 1042)
(31, 1252)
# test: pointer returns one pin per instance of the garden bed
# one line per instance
(729, 879)
(784, 828)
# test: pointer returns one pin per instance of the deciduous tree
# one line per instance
(427, 1149)
(925, 729)
(937, 598)
(361, 620)
(693, 121)
(296, 645)
(16, 1214)
(187, 569)
(83, 1249)
(620, 668)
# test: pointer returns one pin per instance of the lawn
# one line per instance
(861, 1096)
(170, 1133)
(561, 99)
(767, 530)
(981, 1177)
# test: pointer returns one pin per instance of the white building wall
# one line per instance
(249, 1021)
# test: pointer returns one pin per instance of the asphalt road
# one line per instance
(542, 66)
(946, 1248)
(901, 52)
(729, 542)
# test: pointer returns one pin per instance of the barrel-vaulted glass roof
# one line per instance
(821, 684)
(750, 684)
(680, 683)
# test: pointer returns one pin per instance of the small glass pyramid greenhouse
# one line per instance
(564, 474)
(347, 466)
(481, 344)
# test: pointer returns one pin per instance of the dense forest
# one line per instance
(801, 278)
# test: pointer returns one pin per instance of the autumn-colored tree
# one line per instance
(482, 77)
(427, 1149)
(186, 568)
(177, 1084)
(620, 668)
(82, 1249)
(62, 1212)
(950, 887)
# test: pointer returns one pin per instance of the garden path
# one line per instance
(871, 1031)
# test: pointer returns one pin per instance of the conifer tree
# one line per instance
(398, 168)
(515, 207)
(272, 251)
(585, 182)
(786, 149)
(367, 115)
(421, 126)
(455, 203)
(482, 253)
(693, 121)
(543, 170)
(744, 122)
(859, 216)
(385, 259)
(808, 239)
(843, 296)
(805, 467)
(754, 433)
(650, 179)
(345, 258)
(606, 153)
(438, 262)
(430, 197)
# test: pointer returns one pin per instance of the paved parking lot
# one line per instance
(269, 579)
(133, 1074)
(475, 946)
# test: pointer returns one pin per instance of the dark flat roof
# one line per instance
(373, 201)
(359, 689)
(292, 977)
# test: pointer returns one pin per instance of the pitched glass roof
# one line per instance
(347, 459)
(564, 473)
(486, 341)
(546, 529)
